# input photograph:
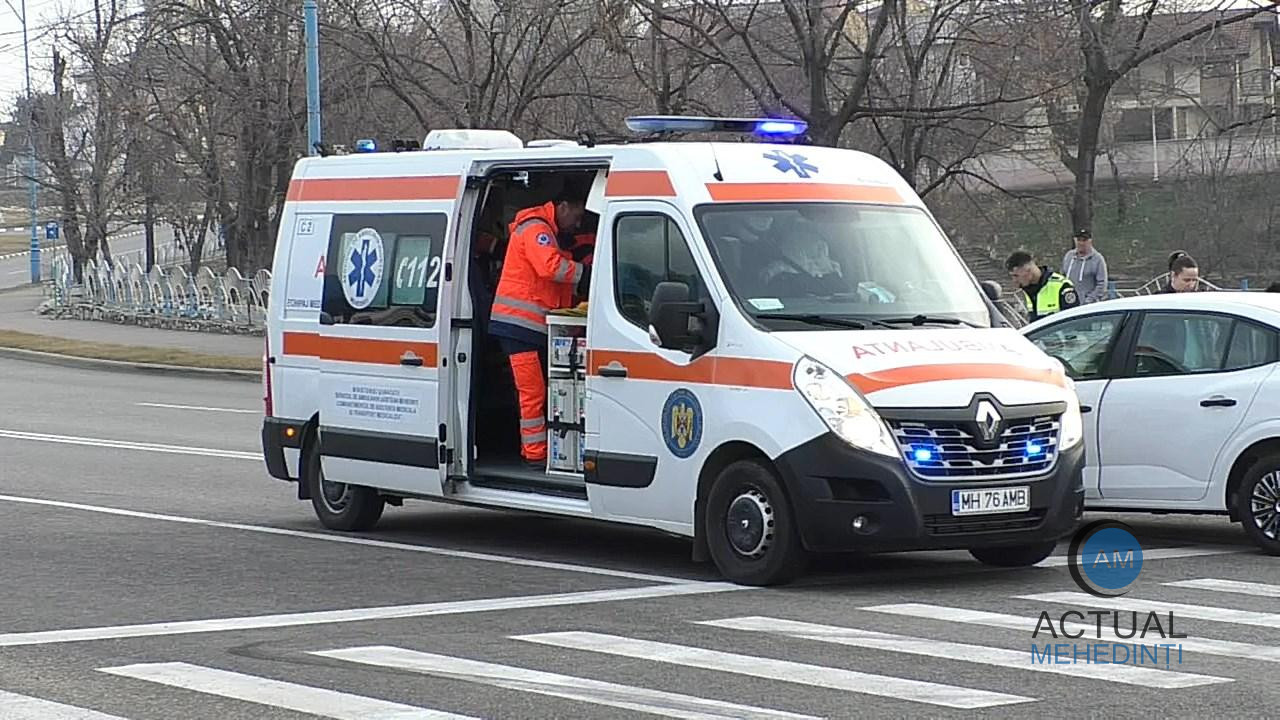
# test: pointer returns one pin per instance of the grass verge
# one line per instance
(125, 353)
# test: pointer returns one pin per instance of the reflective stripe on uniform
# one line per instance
(563, 269)
(532, 423)
(498, 316)
(577, 274)
(540, 436)
(521, 305)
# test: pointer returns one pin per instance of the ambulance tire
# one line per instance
(750, 528)
(1012, 556)
(353, 508)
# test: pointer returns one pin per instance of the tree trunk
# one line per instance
(1087, 155)
(51, 123)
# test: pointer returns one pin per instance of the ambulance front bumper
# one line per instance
(850, 499)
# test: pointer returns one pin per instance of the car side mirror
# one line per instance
(992, 290)
(673, 318)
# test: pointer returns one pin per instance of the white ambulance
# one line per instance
(781, 354)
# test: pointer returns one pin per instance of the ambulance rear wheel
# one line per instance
(338, 505)
(750, 527)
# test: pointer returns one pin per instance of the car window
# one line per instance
(1181, 344)
(1080, 344)
(384, 269)
(1251, 346)
(649, 249)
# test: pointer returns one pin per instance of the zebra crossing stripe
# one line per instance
(20, 707)
(1196, 612)
(656, 702)
(1230, 586)
(274, 693)
(1161, 554)
(784, 670)
(1205, 646)
(980, 654)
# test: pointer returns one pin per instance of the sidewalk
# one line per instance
(107, 343)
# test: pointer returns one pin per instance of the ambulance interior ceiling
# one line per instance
(509, 194)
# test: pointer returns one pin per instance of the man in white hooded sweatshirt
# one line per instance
(1086, 269)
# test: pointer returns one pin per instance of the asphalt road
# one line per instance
(153, 571)
(15, 269)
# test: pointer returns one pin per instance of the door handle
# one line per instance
(411, 359)
(613, 370)
(1218, 401)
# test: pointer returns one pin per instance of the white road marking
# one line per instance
(1161, 554)
(367, 542)
(784, 670)
(627, 697)
(21, 707)
(1198, 612)
(167, 406)
(130, 445)
(980, 654)
(1207, 646)
(1230, 586)
(264, 691)
(322, 617)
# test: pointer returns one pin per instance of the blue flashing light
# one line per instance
(1034, 448)
(922, 454)
(366, 145)
(780, 127)
(763, 127)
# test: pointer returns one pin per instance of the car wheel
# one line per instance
(751, 530)
(1257, 503)
(338, 505)
(1014, 555)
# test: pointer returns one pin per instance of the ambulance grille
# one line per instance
(948, 450)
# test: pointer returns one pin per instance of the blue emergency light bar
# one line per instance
(767, 127)
(366, 145)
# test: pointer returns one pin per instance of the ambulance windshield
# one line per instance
(833, 262)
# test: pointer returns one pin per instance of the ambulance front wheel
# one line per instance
(750, 527)
(338, 505)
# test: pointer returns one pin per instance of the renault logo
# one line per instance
(988, 420)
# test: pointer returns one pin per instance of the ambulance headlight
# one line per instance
(1071, 427)
(842, 407)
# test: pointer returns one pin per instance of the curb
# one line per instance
(74, 361)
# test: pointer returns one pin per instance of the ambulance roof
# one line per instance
(694, 172)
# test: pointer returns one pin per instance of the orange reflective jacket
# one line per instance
(537, 276)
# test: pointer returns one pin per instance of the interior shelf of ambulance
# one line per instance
(497, 463)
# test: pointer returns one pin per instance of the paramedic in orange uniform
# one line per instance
(537, 276)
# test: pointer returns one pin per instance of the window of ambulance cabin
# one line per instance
(1081, 344)
(649, 249)
(1181, 344)
(384, 269)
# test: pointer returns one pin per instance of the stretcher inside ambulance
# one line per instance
(779, 353)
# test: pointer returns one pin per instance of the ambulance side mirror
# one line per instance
(671, 317)
(992, 290)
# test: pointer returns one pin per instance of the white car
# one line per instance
(1181, 402)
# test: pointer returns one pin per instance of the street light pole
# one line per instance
(31, 154)
(312, 32)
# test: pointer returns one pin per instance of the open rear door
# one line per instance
(379, 346)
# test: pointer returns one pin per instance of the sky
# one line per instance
(42, 14)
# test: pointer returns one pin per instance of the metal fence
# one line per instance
(167, 296)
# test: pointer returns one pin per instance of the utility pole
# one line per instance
(311, 29)
(31, 154)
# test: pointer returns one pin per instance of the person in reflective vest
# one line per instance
(538, 275)
(1045, 291)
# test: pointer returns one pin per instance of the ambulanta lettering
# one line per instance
(377, 403)
(878, 349)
